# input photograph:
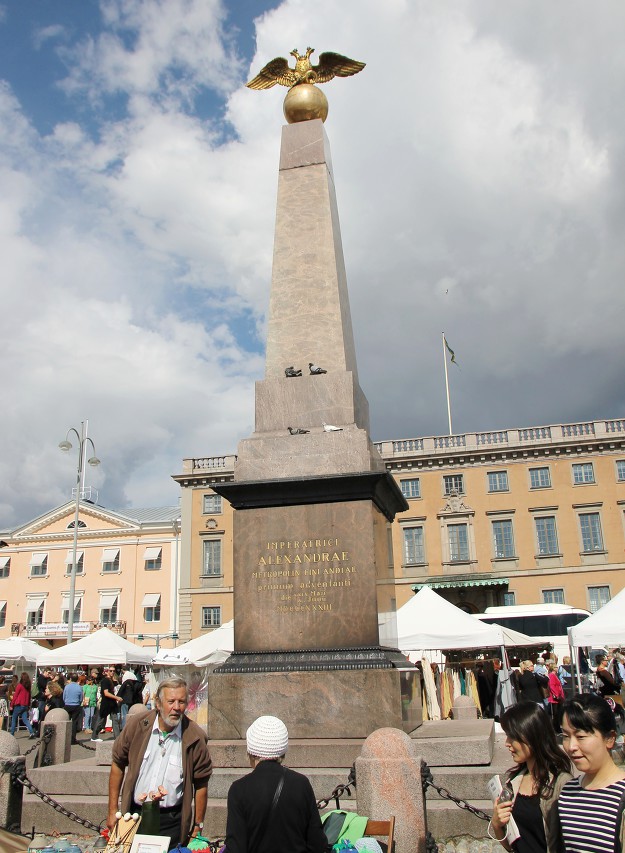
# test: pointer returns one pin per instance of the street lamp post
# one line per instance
(158, 637)
(93, 461)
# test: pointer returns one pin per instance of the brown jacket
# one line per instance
(128, 751)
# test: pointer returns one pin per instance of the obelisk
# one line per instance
(312, 497)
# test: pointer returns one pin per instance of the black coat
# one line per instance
(295, 826)
(529, 688)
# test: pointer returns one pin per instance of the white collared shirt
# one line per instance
(162, 765)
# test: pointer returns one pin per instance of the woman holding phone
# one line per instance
(531, 792)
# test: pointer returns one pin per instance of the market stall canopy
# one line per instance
(101, 647)
(428, 621)
(209, 649)
(20, 648)
(606, 627)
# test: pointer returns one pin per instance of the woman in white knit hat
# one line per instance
(272, 809)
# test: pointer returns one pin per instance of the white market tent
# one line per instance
(102, 647)
(428, 621)
(20, 649)
(605, 627)
(208, 650)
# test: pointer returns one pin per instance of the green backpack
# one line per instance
(339, 825)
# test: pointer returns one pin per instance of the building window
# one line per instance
(211, 566)
(151, 607)
(583, 473)
(620, 469)
(497, 481)
(72, 524)
(597, 597)
(458, 543)
(553, 596)
(212, 504)
(110, 560)
(546, 535)
(411, 488)
(108, 607)
(211, 617)
(590, 525)
(34, 614)
(152, 559)
(540, 478)
(80, 560)
(5, 567)
(453, 483)
(503, 539)
(3, 613)
(414, 550)
(38, 565)
(77, 610)
(509, 599)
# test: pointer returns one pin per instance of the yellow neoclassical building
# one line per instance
(516, 516)
(127, 574)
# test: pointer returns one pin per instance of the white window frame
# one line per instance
(597, 544)
(216, 571)
(546, 518)
(591, 604)
(583, 473)
(80, 568)
(496, 479)
(409, 532)
(498, 552)
(206, 616)
(408, 488)
(461, 557)
(207, 499)
(39, 570)
(115, 564)
(620, 470)
(538, 471)
(451, 483)
(511, 596)
(153, 564)
(5, 566)
(552, 596)
(3, 614)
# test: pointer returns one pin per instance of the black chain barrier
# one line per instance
(428, 782)
(86, 745)
(340, 791)
(19, 777)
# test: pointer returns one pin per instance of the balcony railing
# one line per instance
(510, 438)
(54, 630)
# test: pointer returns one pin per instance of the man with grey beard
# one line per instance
(164, 758)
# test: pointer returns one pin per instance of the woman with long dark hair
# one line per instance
(540, 771)
(591, 806)
(20, 703)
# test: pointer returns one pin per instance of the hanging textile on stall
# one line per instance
(447, 694)
(434, 711)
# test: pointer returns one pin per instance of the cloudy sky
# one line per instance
(479, 165)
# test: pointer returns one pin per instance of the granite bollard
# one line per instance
(464, 708)
(10, 793)
(58, 751)
(388, 778)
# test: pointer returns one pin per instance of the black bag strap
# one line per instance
(269, 813)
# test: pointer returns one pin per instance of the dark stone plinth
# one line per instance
(379, 487)
(331, 704)
(311, 660)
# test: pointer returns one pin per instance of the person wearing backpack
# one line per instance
(272, 809)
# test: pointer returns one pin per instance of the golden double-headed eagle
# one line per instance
(330, 65)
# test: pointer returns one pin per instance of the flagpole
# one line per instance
(447, 383)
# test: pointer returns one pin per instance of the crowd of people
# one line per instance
(90, 698)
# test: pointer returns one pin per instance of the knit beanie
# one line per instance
(267, 737)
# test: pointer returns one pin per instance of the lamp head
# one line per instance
(65, 445)
(94, 461)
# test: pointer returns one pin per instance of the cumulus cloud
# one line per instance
(478, 167)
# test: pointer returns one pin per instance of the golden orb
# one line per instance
(305, 102)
